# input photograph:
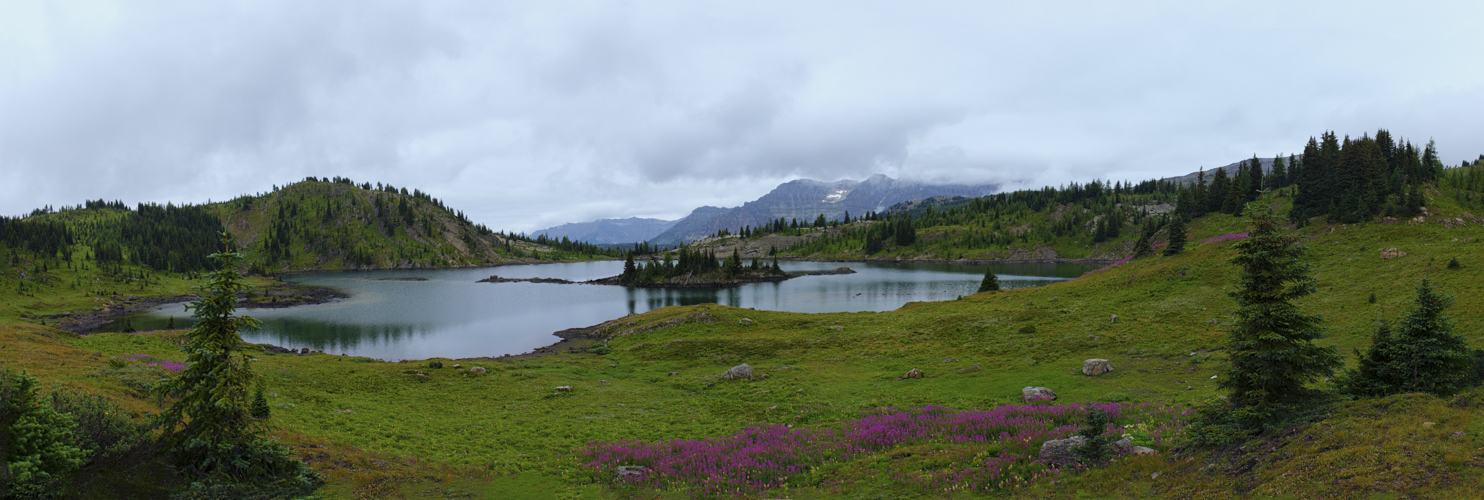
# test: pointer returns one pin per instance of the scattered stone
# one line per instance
(1155, 475)
(1037, 394)
(1213, 377)
(1457, 434)
(1428, 424)
(457, 366)
(837, 327)
(564, 388)
(672, 374)
(760, 392)
(1141, 450)
(1113, 319)
(913, 373)
(1392, 253)
(345, 411)
(1213, 322)
(974, 366)
(1054, 299)
(746, 321)
(1096, 366)
(303, 351)
(1061, 451)
(950, 360)
(632, 471)
(477, 369)
(741, 371)
(1123, 444)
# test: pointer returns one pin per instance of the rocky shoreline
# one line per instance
(274, 296)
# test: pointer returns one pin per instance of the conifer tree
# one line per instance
(990, 282)
(1272, 344)
(210, 423)
(1177, 236)
(1216, 197)
(1275, 179)
(1421, 355)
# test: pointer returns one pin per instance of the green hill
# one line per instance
(77, 264)
(831, 412)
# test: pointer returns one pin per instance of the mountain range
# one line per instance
(803, 199)
(609, 231)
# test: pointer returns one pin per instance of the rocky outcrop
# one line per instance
(1030, 394)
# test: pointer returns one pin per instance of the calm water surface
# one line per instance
(450, 315)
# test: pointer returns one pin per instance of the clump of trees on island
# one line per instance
(695, 265)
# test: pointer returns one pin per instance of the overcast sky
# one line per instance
(531, 114)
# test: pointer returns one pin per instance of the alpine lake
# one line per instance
(418, 314)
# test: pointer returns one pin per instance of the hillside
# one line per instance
(806, 199)
(414, 429)
(319, 225)
(78, 265)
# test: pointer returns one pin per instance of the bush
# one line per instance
(435, 364)
(262, 470)
(39, 442)
(601, 350)
(104, 431)
(1453, 264)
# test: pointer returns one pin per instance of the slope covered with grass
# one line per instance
(382, 429)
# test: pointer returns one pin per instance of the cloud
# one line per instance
(530, 115)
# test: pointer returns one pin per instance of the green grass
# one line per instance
(416, 432)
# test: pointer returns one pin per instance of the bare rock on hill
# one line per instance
(1061, 451)
(1096, 366)
(1141, 450)
(913, 373)
(1392, 253)
(741, 371)
(1037, 394)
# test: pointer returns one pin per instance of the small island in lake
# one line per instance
(693, 269)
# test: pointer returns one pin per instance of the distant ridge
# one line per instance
(609, 231)
(806, 199)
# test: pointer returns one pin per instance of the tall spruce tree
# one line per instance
(1275, 179)
(1177, 236)
(1421, 355)
(210, 429)
(1272, 344)
(1216, 197)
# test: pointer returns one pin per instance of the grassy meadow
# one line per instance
(382, 429)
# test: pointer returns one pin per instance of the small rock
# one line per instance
(1061, 451)
(1113, 320)
(974, 366)
(1096, 366)
(1037, 394)
(632, 471)
(950, 360)
(672, 374)
(1428, 424)
(1213, 377)
(1140, 450)
(1155, 475)
(457, 366)
(837, 327)
(477, 369)
(913, 373)
(1392, 253)
(564, 388)
(1457, 434)
(303, 351)
(1122, 444)
(345, 411)
(746, 321)
(741, 371)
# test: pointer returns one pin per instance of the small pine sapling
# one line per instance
(1095, 449)
(991, 281)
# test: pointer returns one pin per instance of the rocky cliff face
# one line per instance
(806, 199)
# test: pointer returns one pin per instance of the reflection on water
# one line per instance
(450, 315)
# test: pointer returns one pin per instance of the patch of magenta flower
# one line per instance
(1224, 237)
(763, 458)
(154, 361)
